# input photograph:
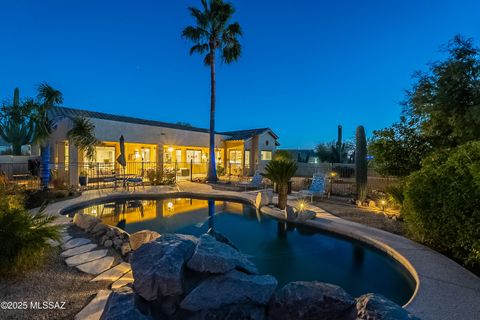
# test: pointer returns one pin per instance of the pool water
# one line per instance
(287, 251)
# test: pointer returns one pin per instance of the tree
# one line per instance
(447, 98)
(442, 110)
(17, 124)
(399, 149)
(280, 172)
(213, 33)
(47, 97)
(82, 135)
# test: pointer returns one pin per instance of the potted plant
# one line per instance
(280, 172)
(83, 178)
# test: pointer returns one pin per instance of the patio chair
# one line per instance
(316, 188)
(255, 183)
(135, 181)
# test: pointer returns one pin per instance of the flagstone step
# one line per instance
(123, 281)
(96, 266)
(75, 242)
(114, 273)
(64, 238)
(85, 257)
(94, 310)
(78, 250)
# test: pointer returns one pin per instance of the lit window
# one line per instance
(178, 155)
(266, 155)
(235, 157)
(194, 156)
(247, 158)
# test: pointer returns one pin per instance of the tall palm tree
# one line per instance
(213, 33)
(47, 97)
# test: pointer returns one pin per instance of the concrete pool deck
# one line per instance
(445, 290)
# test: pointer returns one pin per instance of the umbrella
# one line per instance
(121, 157)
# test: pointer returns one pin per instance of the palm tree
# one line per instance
(48, 97)
(82, 135)
(280, 172)
(213, 32)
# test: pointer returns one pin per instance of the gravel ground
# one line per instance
(364, 216)
(53, 281)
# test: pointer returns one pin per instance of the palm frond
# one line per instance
(82, 135)
(48, 95)
(199, 48)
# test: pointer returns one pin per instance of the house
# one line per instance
(151, 144)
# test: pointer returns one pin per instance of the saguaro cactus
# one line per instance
(340, 144)
(361, 163)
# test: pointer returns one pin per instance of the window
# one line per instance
(266, 155)
(178, 155)
(167, 155)
(145, 154)
(247, 158)
(235, 157)
(103, 155)
(194, 156)
(219, 156)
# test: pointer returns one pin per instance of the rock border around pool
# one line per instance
(180, 276)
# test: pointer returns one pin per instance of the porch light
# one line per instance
(170, 205)
(170, 149)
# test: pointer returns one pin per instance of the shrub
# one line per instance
(395, 194)
(442, 203)
(23, 236)
(154, 177)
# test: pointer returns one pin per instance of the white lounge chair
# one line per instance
(255, 183)
(316, 188)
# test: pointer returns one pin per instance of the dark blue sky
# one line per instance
(307, 65)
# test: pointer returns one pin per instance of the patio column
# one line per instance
(73, 164)
(60, 146)
(159, 157)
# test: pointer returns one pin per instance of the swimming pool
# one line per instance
(288, 251)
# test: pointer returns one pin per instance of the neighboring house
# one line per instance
(303, 155)
(155, 144)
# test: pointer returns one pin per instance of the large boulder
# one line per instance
(85, 221)
(290, 213)
(221, 238)
(141, 237)
(305, 215)
(158, 266)
(230, 312)
(99, 230)
(232, 288)
(121, 305)
(373, 306)
(263, 198)
(302, 300)
(213, 256)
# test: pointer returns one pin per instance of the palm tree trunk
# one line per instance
(45, 166)
(282, 196)
(212, 170)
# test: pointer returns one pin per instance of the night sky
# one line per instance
(307, 65)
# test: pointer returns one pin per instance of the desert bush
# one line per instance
(23, 235)
(442, 203)
(395, 194)
(158, 177)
